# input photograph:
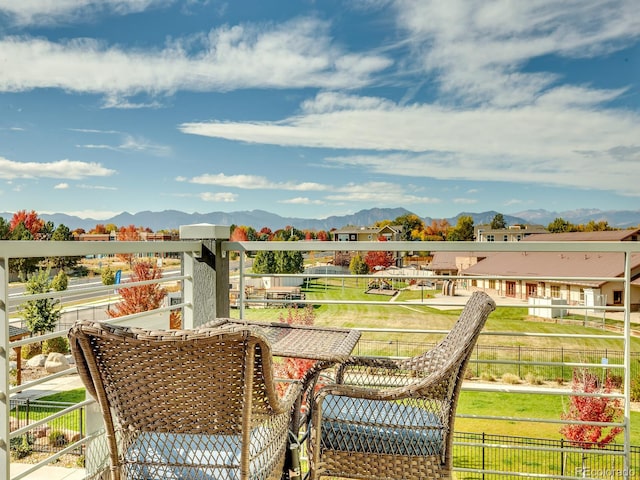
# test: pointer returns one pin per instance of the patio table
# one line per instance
(327, 345)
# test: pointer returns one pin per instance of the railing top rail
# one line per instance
(523, 246)
(23, 249)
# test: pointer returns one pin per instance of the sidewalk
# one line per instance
(48, 473)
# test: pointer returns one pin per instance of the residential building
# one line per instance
(513, 233)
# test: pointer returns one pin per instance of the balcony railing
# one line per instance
(211, 267)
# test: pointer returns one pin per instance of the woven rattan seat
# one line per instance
(393, 419)
(188, 404)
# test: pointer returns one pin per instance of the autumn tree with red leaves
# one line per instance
(378, 259)
(591, 409)
(128, 234)
(141, 298)
(30, 220)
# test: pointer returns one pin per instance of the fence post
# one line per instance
(208, 291)
(483, 454)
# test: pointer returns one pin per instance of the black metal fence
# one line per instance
(51, 437)
(509, 455)
(494, 360)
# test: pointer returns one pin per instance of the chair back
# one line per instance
(456, 347)
(214, 383)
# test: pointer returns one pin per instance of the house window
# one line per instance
(532, 289)
(617, 297)
(505, 238)
(492, 284)
(490, 238)
(510, 289)
(555, 291)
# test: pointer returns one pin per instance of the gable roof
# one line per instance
(555, 264)
(602, 236)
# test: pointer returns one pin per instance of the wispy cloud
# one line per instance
(478, 49)
(219, 197)
(251, 182)
(69, 169)
(131, 144)
(296, 54)
(26, 12)
(376, 192)
(61, 186)
(96, 187)
(302, 201)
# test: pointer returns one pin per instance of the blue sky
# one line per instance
(319, 108)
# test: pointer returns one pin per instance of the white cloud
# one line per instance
(478, 48)
(220, 197)
(251, 182)
(302, 201)
(25, 12)
(562, 143)
(61, 186)
(93, 214)
(97, 187)
(298, 53)
(131, 144)
(69, 169)
(376, 192)
(464, 201)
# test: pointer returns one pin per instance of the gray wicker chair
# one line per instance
(393, 419)
(189, 404)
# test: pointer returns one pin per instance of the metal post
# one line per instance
(5, 451)
(210, 273)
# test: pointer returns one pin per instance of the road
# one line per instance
(75, 284)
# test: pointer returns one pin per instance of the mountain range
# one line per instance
(172, 219)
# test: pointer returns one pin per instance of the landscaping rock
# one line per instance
(37, 360)
(56, 362)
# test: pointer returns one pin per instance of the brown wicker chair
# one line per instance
(189, 404)
(393, 419)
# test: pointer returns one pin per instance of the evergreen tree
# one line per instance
(498, 222)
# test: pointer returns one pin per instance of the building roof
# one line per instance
(602, 236)
(554, 264)
(447, 260)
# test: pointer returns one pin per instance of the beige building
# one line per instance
(553, 264)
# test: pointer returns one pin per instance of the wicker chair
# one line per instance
(393, 419)
(189, 404)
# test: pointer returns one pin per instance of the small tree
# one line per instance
(463, 231)
(591, 409)
(378, 259)
(108, 276)
(141, 298)
(42, 314)
(498, 222)
(357, 266)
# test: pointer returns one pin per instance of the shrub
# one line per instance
(22, 446)
(30, 350)
(534, 379)
(634, 393)
(511, 378)
(57, 438)
(58, 345)
(487, 377)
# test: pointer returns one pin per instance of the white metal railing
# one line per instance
(626, 249)
(196, 289)
(29, 249)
